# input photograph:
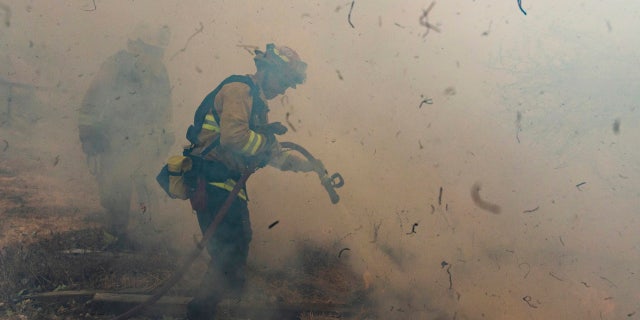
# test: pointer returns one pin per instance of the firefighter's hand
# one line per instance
(93, 140)
(276, 128)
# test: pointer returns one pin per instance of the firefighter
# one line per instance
(230, 134)
(123, 126)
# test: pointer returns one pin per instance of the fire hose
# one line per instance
(330, 183)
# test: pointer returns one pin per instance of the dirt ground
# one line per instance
(53, 242)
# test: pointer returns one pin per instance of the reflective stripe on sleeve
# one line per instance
(254, 142)
(210, 123)
(228, 185)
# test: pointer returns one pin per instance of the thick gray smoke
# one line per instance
(532, 114)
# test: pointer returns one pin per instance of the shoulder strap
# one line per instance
(208, 104)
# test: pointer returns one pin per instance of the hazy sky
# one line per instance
(540, 110)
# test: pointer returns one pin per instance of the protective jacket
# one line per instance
(227, 128)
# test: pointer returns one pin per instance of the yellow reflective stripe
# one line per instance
(257, 145)
(283, 57)
(209, 127)
(254, 142)
(228, 185)
(250, 142)
(210, 124)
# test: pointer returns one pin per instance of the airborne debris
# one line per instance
(425, 100)
(349, 16)
(289, 122)
(531, 210)
(413, 228)
(580, 185)
(529, 300)
(616, 126)
(273, 224)
(555, 276)
(424, 20)
(486, 33)
(475, 195)
(609, 281)
(184, 48)
(343, 250)
(520, 6)
(6, 145)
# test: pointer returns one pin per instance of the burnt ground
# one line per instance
(49, 247)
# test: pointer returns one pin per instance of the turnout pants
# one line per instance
(229, 245)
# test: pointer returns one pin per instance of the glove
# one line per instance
(272, 128)
(93, 140)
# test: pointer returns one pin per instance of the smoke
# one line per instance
(525, 106)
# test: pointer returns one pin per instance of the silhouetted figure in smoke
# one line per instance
(123, 125)
(230, 133)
